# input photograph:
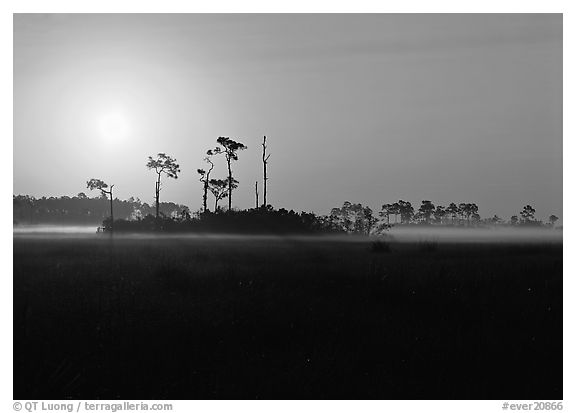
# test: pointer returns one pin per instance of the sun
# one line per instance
(114, 127)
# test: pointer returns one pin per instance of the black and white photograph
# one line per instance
(287, 206)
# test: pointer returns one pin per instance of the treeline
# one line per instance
(83, 210)
(353, 218)
(133, 215)
(357, 218)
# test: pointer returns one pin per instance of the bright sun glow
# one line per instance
(114, 127)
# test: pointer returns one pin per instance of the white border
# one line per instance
(247, 6)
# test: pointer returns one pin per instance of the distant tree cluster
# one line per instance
(461, 214)
(358, 219)
(354, 218)
(83, 210)
(430, 214)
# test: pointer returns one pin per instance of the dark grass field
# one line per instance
(270, 319)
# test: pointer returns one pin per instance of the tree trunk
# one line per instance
(229, 184)
(256, 186)
(206, 195)
(265, 162)
(158, 197)
(111, 211)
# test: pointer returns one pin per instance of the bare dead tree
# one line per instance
(256, 187)
(205, 178)
(265, 162)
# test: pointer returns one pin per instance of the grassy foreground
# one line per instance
(204, 319)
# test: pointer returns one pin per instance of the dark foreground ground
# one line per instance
(197, 319)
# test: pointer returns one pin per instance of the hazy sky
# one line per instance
(365, 108)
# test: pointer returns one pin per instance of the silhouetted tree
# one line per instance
(347, 222)
(426, 210)
(462, 211)
(527, 214)
(394, 210)
(453, 211)
(468, 210)
(205, 178)
(418, 217)
(357, 216)
(385, 213)
(220, 188)
(553, 219)
(514, 220)
(406, 211)
(265, 162)
(230, 150)
(101, 185)
(256, 189)
(369, 220)
(162, 164)
(184, 214)
(439, 213)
